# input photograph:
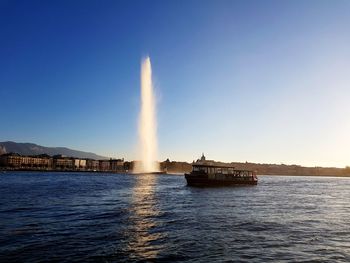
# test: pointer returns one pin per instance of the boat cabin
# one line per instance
(219, 175)
(216, 170)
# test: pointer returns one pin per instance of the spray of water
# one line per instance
(147, 122)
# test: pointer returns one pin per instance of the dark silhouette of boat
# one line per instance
(161, 172)
(219, 175)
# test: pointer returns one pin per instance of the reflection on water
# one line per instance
(64, 217)
(144, 236)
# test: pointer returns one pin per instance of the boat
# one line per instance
(219, 175)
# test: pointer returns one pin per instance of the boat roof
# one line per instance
(215, 165)
(212, 165)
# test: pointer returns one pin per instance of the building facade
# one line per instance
(92, 165)
(15, 161)
(61, 162)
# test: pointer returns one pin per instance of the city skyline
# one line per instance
(252, 81)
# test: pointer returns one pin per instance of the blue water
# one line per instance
(67, 217)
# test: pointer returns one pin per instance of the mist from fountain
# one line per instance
(147, 123)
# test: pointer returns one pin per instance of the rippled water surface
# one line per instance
(67, 217)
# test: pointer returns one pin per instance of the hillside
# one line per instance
(34, 149)
(263, 169)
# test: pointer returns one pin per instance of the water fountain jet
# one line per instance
(147, 123)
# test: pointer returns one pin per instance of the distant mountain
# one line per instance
(34, 149)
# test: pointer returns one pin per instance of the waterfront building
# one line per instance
(17, 161)
(79, 164)
(11, 160)
(41, 162)
(117, 165)
(92, 165)
(14, 161)
(127, 166)
(104, 165)
(61, 162)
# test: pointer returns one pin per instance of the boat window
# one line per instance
(195, 168)
(224, 170)
(203, 169)
(218, 170)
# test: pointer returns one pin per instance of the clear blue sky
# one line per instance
(260, 81)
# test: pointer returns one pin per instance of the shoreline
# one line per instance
(4, 170)
(306, 175)
(58, 171)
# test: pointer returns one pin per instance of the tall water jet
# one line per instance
(147, 122)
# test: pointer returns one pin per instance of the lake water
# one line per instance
(67, 217)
